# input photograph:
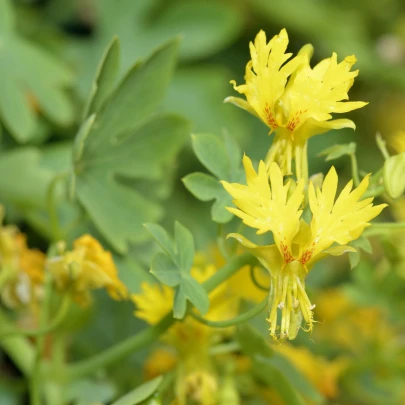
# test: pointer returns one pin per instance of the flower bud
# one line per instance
(394, 178)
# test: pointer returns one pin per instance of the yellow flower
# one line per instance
(269, 205)
(293, 99)
(23, 268)
(88, 266)
(155, 301)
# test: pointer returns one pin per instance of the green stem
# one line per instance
(384, 228)
(57, 320)
(224, 348)
(228, 270)
(355, 169)
(221, 240)
(35, 385)
(374, 192)
(151, 334)
(255, 281)
(382, 145)
(52, 208)
(234, 321)
(18, 349)
(120, 350)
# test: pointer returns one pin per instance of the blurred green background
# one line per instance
(49, 52)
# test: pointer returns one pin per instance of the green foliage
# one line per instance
(23, 65)
(173, 268)
(205, 26)
(84, 392)
(337, 151)
(222, 158)
(122, 140)
(272, 369)
(141, 393)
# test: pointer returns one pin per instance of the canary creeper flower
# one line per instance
(269, 205)
(24, 268)
(293, 99)
(88, 266)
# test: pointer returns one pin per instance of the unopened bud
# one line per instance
(394, 175)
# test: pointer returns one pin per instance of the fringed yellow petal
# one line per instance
(339, 221)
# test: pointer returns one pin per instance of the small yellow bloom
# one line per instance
(155, 301)
(24, 268)
(293, 99)
(88, 266)
(269, 205)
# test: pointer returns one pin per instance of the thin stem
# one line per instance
(255, 281)
(355, 169)
(120, 350)
(224, 348)
(221, 240)
(57, 320)
(36, 376)
(234, 321)
(228, 270)
(374, 192)
(382, 145)
(52, 208)
(149, 335)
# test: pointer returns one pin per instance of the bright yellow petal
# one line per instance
(318, 93)
(153, 302)
(339, 221)
(266, 204)
(266, 75)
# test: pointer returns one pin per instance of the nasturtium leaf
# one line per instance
(105, 78)
(337, 151)
(141, 393)
(126, 140)
(173, 268)
(23, 91)
(165, 270)
(205, 27)
(184, 245)
(222, 158)
(26, 182)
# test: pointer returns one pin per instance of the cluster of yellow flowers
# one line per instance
(187, 343)
(22, 270)
(296, 102)
(293, 99)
